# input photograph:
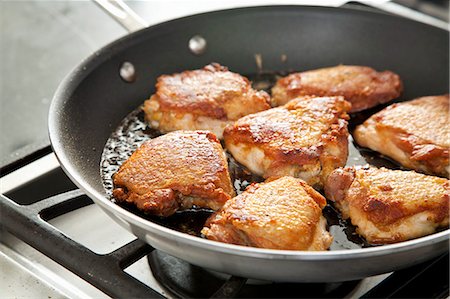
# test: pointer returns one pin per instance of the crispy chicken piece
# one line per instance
(362, 86)
(282, 214)
(306, 138)
(414, 133)
(389, 206)
(175, 171)
(205, 99)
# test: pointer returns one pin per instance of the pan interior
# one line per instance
(133, 131)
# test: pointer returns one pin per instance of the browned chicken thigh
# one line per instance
(389, 206)
(306, 138)
(205, 99)
(282, 214)
(414, 133)
(175, 171)
(362, 86)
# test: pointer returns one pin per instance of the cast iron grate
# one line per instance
(188, 281)
(427, 280)
(28, 220)
(106, 272)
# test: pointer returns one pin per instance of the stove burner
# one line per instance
(188, 281)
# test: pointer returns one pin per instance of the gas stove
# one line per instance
(55, 243)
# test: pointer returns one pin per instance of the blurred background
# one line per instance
(41, 41)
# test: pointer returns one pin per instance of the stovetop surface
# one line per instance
(85, 240)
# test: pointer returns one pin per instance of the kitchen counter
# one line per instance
(41, 41)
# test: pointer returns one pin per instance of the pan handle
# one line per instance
(123, 14)
(406, 12)
(126, 17)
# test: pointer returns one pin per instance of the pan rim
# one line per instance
(67, 86)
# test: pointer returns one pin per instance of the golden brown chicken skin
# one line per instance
(414, 133)
(306, 138)
(362, 86)
(389, 206)
(205, 99)
(175, 171)
(282, 214)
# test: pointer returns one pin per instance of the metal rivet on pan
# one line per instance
(197, 45)
(127, 72)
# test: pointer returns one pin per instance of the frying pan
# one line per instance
(93, 99)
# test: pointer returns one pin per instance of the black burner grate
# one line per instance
(26, 217)
(188, 281)
(29, 223)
